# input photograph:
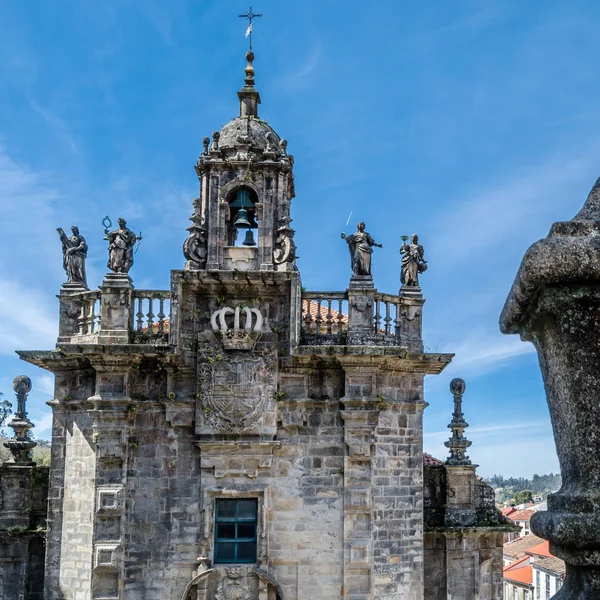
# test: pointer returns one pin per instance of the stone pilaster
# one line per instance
(411, 323)
(69, 310)
(360, 311)
(112, 419)
(116, 322)
(360, 419)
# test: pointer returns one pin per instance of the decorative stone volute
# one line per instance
(555, 303)
(21, 444)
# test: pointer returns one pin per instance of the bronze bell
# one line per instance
(249, 240)
(242, 221)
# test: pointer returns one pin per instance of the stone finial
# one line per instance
(458, 444)
(249, 70)
(248, 96)
(205, 144)
(554, 302)
(21, 444)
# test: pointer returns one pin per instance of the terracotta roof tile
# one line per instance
(522, 575)
(542, 549)
(522, 515)
(552, 563)
(431, 461)
(517, 548)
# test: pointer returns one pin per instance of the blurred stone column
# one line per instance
(555, 303)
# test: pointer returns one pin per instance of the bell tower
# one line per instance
(241, 220)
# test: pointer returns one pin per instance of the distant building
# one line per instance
(518, 577)
(531, 572)
(521, 518)
(515, 549)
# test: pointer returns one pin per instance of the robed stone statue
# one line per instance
(360, 245)
(413, 262)
(120, 248)
(74, 250)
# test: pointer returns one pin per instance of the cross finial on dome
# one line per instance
(250, 15)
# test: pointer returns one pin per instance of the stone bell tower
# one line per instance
(246, 185)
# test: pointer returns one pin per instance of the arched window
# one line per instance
(242, 220)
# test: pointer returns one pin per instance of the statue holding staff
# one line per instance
(120, 248)
(74, 252)
(413, 262)
(360, 245)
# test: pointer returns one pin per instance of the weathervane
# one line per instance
(250, 16)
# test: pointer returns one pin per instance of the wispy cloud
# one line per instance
(60, 127)
(506, 209)
(294, 80)
(27, 320)
(483, 351)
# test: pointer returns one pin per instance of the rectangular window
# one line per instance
(515, 593)
(547, 586)
(235, 530)
(538, 585)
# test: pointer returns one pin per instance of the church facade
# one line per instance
(238, 437)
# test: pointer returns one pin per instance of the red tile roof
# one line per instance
(517, 548)
(508, 510)
(521, 515)
(431, 461)
(522, 575)
(553, 564)
(542, 549)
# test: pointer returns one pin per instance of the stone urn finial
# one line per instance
(21, 444)
(555, 303)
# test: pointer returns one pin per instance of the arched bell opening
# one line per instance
(242, 227)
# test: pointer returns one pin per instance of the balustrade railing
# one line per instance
(324, 313)
(88, 321)
(387, 314)
(152, 312)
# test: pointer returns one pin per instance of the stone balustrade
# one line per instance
(327, 317)
(149, 323)
(375, 318)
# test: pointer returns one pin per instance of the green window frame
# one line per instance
(235, 530)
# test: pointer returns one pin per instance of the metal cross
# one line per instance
(250, 16)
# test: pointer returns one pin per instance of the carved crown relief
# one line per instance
(226, 324)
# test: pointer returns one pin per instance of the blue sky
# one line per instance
(474, 124)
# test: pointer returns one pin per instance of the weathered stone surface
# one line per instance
(555, 302)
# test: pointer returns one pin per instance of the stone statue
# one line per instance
(360, 245)
(120, 248)
(74, 252)
(413, 262)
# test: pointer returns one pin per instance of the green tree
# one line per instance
(523, 497)
(5, 410)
